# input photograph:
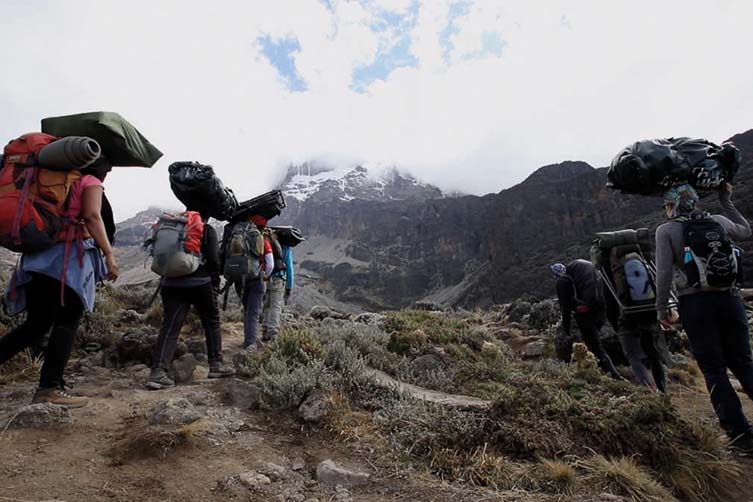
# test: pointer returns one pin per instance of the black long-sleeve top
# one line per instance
(579, 286)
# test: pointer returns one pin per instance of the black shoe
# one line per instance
(158, 379)
(219, 370)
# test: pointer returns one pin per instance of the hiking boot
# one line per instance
(59, 397)
(743, 445)
(248, 347)
(158, 379)
(219, 370)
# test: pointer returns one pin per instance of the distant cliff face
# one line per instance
(387, 241)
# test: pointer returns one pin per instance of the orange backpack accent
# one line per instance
(32, 199)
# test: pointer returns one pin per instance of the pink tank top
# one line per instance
(77, 193)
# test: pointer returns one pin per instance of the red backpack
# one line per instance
(32, 199)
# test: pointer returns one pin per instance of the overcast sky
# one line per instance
(471, 95)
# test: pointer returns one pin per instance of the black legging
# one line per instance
(176, 302)
(44, 311)
(590, 325)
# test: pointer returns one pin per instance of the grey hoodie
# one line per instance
(670, 247)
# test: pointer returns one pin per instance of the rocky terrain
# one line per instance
(402, 405)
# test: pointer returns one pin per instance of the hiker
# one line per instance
(579, 292)
(253, 290)
(198, 288)
(710, 307)
(279, 287)
(56, 285)
(643, 343)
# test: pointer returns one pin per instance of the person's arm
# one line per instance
(736, 225)
(210, 251)
(565, 298)
(664, 270)
(269, 263)
(91, 214)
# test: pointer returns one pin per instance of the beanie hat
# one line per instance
(558, 270)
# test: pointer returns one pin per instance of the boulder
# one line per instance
(274, 472)
(243, 394)
(174, 411)
(533, 349)
(426, 364)
(136, 347)
(320, 312)
(253, 480)
(518, 310)
(314, 408)
(331, 474)
(182, 368)
(544, 314)
(41, 415)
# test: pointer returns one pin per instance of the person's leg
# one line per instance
(273, 303)
(205, 302)
(39, 297)
(630, 340)
(590, 326)
(254, 296)
(62, 338)
(650, 334)
(736, 341)
(698, 313)
(175, 309)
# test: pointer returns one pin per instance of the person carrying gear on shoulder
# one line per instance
(279, 287)
(54, 286)
(694, 250)
(185, 254)
(253, 291)
(579, 292)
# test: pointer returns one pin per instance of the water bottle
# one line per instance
(688, 255)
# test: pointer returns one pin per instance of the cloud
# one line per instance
(470, 95)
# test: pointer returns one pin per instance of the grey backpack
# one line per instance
(175, 244)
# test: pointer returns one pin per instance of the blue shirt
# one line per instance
(288, 274)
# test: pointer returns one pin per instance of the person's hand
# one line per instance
(286, 296)
(727, 187)
(669, 319)
(113, 271)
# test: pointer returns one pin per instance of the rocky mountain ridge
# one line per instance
(388, 244)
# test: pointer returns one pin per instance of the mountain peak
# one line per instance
(318, 181)
(557, 173)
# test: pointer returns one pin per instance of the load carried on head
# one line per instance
(268, 205)
(651, 167)
(121, 143)
(196, 186)
(288, 236)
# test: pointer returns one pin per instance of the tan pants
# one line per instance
(273, 303)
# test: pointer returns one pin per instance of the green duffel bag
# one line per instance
(121, 143)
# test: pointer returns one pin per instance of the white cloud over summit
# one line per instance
(470, 95)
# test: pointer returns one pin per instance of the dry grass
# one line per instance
(624, 476)
(22, 368)
(140, 442)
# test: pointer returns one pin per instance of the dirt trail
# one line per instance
(79, 462)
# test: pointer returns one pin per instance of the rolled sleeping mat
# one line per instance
(73, 152)
(642, 236)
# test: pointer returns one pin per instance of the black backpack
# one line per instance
(710, 258)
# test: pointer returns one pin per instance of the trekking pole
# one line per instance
(156, 292)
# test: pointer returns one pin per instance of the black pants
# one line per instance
(44, 312)
(176, 302)
(640, 344)
(590, 325)
(717, 327)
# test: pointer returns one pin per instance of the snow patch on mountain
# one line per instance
(368, 182)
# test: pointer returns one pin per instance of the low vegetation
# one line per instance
(551, 427)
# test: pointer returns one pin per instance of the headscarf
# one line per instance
(558, 270)
(683, 199)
